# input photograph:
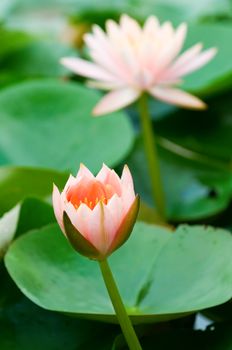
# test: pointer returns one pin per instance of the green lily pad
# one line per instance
(207, 134)
(216, 75)
(39, 59)
(25, 326)
(31, 214)
(193, 190)
(50, 125)
(160, 275)
(11, 41)
(18, 183)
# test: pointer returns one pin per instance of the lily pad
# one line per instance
(208, 134)
(216, 75)
(194, 190)
(25, 326)
(18, 183)
(50, 125)
(39, 59)
(161, 275)
(30, 214)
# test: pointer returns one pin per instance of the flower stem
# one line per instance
(119, 308)
(152, 156)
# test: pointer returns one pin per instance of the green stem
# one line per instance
(119, 308)
(152, 156)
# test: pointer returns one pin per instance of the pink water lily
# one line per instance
(96, 214)
(129, 60)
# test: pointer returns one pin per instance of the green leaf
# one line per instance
(60, 113)
(217, 74)
(193, 190)
(208, 133)
(39, 59)
(18, 183)
(12, 41)
(174, 10)
(24, 326)
(31, 214)
(8, 227)
(168, 275)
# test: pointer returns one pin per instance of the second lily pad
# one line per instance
(161, 275)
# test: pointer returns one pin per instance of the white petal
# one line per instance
(103, 52)
(187, 56)
(103, 173)
(151, 25)
(130, 26)
(87, 69)
(177, 97)
(128, 193)
(71, 181)
(98, 234)
(80, 219)
(173, 48)
(84, 172)
(196, 63)
(58, 206)
(114, 215)
(115, 100)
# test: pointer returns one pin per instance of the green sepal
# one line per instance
(126, 226)
(78, 242)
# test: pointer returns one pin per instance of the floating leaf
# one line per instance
(18, 183)
(31, 214)
(161, 275)
(193, 190)
(50, 125)
(24, 326)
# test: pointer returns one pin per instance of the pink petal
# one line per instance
(187, 56)
(113, 216)
(87, 69)
(128, 193)
(177, 97)
(103, 173)
(196, 63)
(104, 54)
(174, 47)
(98, 235)
(126, 178)
(108, 176)
(80, 219)
(130, 26)
(58, 206)
(71, 181)
(115, 100)
(84, 172)
(150, 26)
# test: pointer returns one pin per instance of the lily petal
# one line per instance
(115, 100)
(196, 63)
(177, 97)
(58, 206)
(84, 172)
(87, 69)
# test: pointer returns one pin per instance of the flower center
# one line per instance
(89, 192)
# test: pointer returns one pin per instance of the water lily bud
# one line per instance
(96, 214)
